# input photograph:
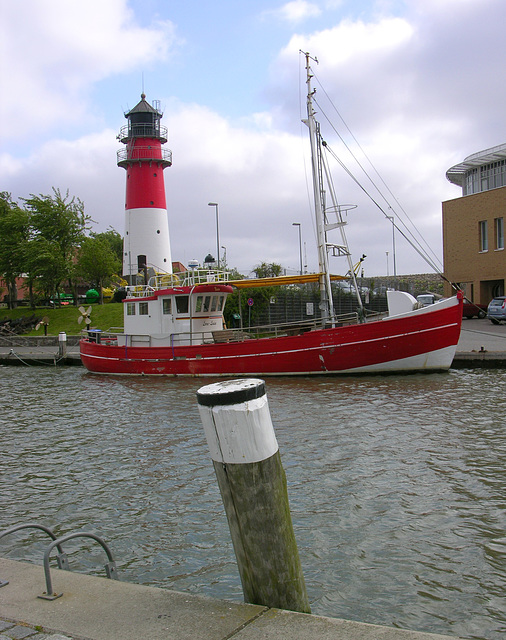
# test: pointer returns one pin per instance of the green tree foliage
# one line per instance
(267, 270)
(237, 302)
(114, 240)
(58, 224)
(46, 267)
(13, 233)
(97, 261)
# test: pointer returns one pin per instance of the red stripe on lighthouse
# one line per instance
(145, 184)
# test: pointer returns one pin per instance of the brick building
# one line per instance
(473, 226)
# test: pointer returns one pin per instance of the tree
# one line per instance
(237, 302)
(97, 261)
(267, 270)
(14, 223)
(113, 239)
(58, 224)
(46, 267)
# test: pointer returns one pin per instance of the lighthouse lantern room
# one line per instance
(146, 244)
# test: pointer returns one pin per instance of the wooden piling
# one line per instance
(238, 427)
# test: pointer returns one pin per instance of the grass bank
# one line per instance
(102, 316)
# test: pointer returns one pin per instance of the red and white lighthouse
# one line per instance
(146, 244)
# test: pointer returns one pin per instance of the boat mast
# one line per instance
(326, 304)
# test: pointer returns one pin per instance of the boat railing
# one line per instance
(300, 326)
(293, 328)
(238, 334)
(182, 279)
(109, 337)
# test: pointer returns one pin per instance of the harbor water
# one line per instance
(397, 487)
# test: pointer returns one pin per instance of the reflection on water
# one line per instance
(397, 487)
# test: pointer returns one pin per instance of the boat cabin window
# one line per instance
(182, 304)
(209, 304)
(202, 303)
(167, 306)
(130, 308)
(143, 308)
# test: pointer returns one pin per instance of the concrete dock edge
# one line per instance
(94, 608)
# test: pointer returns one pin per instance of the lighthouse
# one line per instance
(146, 244)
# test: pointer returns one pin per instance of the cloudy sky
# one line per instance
(419, 83)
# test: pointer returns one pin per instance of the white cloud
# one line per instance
(295, 11)
(53, 51)
(353, 40)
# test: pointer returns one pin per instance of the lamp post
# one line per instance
(215, 204)
(297, 224)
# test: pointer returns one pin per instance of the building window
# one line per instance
(143, 308)
(483, 235)
(499, 233)
(130, 308)
(167, 306)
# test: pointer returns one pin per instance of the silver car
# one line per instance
(496, 311)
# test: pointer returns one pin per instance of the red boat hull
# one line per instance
(422, 340)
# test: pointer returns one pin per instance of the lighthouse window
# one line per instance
(167, 306)
(143, 308)
(182, 304)
(158, 231)
(130, 308)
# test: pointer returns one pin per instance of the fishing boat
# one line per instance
(174, 323)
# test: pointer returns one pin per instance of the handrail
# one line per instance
(110, 567)
(61, 558)
(183, 279)
(239, 334)
(143, 130)
(144, 153)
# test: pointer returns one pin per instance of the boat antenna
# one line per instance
(326, 302)
(308, 57)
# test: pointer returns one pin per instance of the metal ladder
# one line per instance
(61, 558)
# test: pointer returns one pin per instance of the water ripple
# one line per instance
(396, 487)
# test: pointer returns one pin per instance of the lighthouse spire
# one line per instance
(146, 244)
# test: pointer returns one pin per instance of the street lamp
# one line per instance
(297, 224)
(215, 204)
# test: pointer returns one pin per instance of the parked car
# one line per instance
(472, 309)
(496, 311)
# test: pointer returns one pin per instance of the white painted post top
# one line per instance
(237, 421)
